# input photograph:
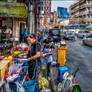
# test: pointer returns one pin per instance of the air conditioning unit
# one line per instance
(12, 1)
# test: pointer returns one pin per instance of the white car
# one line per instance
(88, 40)
(82, 34)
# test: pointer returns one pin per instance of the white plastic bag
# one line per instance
(20, 87)
(7, 88)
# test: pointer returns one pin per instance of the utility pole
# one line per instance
(31, 16)
(33, 19)
(36, 14)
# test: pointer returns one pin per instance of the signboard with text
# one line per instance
(12, 10)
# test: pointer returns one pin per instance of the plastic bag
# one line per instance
(15, 69)
(7, 88)
(20, 87)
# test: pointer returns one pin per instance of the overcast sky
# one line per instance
(61, 3)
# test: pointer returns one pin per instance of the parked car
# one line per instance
(69, 35)
(82, 34)
(55, 34)
(88, 40)
(63, 34)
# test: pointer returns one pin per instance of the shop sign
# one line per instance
(22, 19)
(12, 10)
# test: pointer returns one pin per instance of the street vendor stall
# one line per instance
(4, 64)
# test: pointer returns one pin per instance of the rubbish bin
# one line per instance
(61, 54)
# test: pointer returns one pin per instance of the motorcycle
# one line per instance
(69, 84)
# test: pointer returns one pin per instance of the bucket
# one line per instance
(29, 86)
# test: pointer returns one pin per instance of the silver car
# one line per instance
(88, 40)
(69, 35)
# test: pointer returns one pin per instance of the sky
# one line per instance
(61, 3)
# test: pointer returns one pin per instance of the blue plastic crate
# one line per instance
(62, 70)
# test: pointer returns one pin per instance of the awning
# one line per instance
(13, 10)
(89, 27)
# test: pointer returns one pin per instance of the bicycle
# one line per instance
(69, 84)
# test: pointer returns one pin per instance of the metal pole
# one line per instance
(30, 17)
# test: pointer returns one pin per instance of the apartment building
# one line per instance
(81, 12)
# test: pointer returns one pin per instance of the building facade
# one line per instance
(13, 17)
(45, 13)
(81, 12)
(42, 6)
(18, 15)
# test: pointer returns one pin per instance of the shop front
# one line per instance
(13, 17)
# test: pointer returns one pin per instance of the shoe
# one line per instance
(54, 63)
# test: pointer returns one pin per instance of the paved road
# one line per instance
(80, 55)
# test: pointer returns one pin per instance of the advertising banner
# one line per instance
(62, 12)
(12, 10)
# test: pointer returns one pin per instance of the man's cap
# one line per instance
(31, 36)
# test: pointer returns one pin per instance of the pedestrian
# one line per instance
(1, 55)
(33, 56)
(47, 58)
(25, 33)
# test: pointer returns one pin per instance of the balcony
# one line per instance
(82, 6)
(79, 8)
(75, 10)
(83, 13)
(87, 19)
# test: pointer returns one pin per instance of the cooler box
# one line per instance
(62, 70)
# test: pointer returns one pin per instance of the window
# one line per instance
(86, 32)
(90, 36)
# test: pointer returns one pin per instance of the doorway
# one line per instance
(22, 25)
